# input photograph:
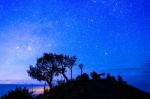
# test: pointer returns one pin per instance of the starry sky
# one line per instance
(106, 35)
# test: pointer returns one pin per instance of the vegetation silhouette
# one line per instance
(18, 93)
(82, 87)
(83, 78)
(50, 65)
(95, 88)
(44, 69)
(71, 61)
(81, 68)
(95, 76)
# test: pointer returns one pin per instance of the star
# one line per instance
(106, 53)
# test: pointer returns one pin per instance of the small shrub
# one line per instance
(83, 77)
(95, 76)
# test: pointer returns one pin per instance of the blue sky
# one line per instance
(106, 35)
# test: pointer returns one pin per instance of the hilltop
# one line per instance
(95, 88)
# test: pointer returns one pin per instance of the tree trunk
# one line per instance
(49, 81)
(71, 73)
(81, 71)
(49, 84)
(66, 78)
(63, 73)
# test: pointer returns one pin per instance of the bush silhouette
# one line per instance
(18, 93)
(95, 76)
(83, 77)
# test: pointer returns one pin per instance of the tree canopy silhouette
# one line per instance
(44, 69)
(95, 76)
(50, 65)
(71, 61)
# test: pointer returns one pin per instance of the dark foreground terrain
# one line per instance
(95, 88)
(85, 88)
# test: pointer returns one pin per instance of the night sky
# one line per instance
(106, 36)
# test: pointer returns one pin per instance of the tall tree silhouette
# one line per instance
(71, 63)
(81, 68)
(65, 62)
(62, 62)
(44, 69)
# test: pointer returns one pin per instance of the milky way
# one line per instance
(106, 35)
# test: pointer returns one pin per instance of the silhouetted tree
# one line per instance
(62, 65)
(120, 79)
(108, 76)
(44, 69)
(83, 77)
(65, 62)
(81, 68)
(71, 63)
(95, 76)
(51, 65)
